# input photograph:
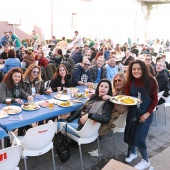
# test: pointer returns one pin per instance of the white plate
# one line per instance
(59, 103)
(63, 97)
(12, 110)
(3, 114)
(115, 99)
(131, 104)
(22, 106)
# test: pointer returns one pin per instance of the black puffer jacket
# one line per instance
(56, 82)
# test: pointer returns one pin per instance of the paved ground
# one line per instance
(158, 143)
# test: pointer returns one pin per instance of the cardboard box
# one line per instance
(116, 165)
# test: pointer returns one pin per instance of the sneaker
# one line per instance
(142, 165)
(131, 158)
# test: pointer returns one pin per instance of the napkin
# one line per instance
(95, 153)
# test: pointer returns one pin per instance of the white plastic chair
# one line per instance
(120, 124)
(88, 134)
(10, 157)
(38, 141)
(166, 104)
(155, 110)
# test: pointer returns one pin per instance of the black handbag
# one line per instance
(62, 146)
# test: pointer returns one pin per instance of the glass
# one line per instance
(51, 105)
(8, 102)
(65, 90)
(86, 64)
(86, 92)
(35, 72)
(90, 86)
(118, 80)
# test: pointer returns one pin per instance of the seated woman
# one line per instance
(95, 108)
(11, 87)
(60, 79)
(32, 82)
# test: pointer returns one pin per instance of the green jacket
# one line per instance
(8, 93)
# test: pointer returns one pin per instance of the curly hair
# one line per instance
(29, 70)
(97, 89)
(11, 53)
(57, 71)
(146, 76)
(8, 77)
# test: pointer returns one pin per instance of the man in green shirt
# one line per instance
(16, 41)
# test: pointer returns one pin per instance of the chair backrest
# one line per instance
(89, 129)
(39, 137)
(121, 121)
(10, 157)
(167, 99)
(160, 94)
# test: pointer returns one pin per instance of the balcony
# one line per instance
(156, 1)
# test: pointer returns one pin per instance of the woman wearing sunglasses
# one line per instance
(118, 89)
(32, 82)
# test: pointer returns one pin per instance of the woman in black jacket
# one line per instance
(60, 79)
(95, 108)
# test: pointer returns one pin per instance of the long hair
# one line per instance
(146, 76)
(8, 77)
(122, 76)
(29, 53)
(29, 69)
(57, 71)
(97, 89)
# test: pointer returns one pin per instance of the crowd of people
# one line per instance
(115, 68)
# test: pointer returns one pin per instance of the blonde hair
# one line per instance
(29, 69)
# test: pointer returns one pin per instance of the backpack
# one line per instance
(69, 64)
(62, 146)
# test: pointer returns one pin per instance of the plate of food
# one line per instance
(128, 100)
(61, 96)
(73, 89)
(12, 110)
(3, 115)
(115, 99)
(80, 95)
(65, 104)
(30, 106)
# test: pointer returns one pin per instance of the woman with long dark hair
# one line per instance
(141, 84)
(95, 108)
(60, 79)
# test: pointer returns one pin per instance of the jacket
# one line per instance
(77, 57)
(80, 75)
(39, 86)
(49, 70)
(28, 60)
(56, 82)
(93, 72)
(11, 63)
(8, 93)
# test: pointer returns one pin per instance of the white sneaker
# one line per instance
(131, 158)
(142, 165)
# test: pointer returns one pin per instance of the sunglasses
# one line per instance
(118, 80)
(35, 72)
(86, 64)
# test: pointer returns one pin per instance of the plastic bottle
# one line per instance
(151, 168)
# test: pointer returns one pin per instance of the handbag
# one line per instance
(62, 146)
